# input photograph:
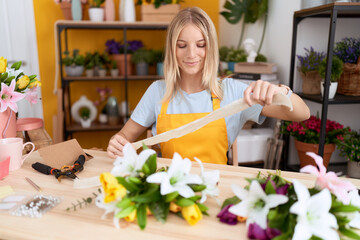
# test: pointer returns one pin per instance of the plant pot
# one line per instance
(332, 89)
(7, 124)
(120, 62)
(160, 69)
(74, 71)
(311, 82)
(89, 72)
(96, 14)
(231, 66)
(353, 169)
(103, 118)
(114, 72)
(102, 72)
(142, 69)
(85, 123)
(302, 148)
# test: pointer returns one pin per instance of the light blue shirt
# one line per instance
(148, 109)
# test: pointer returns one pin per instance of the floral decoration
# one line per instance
(275, 208)
(114, 47)
(308, 131)
(348, 49)
(15, 85)
(311, 60)
(135, 188)
(350, 146)
(158, 3)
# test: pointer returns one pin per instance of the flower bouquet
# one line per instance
(309, 66)
(275, 208)
(136, 188)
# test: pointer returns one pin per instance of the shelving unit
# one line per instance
(331, 11)
(64, 26)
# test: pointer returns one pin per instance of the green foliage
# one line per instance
(158, 3)
(83, 201)
(96, 3)
(75, 60)
(85, 112)
(336, 68)
(158, 55)
(142, 55)
(349, 146)
(261, 58)
(235, 55)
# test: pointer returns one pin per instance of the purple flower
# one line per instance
(348, 49)
(226, 216)
(311, 60)
(113, 47)
(256, 232)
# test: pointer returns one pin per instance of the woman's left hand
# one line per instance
(261, 92)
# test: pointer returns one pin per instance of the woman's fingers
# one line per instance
(116, 146)
(260, 92)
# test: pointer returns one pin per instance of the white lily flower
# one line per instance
(131, 162)
(12, 72)
(313, 217)
(109, 208)
(354, 216)
(210, 180)
(176, 178)
(255, 204)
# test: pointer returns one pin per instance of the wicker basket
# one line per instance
(310, 82)
(349, 82)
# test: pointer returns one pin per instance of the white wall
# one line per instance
(277, 48)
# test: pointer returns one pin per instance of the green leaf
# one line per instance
(134, 180)
(160, 210)
(125, 212)
(141, 216)
(345, 208)
(3, 76)
(349, 233)
(152, 195)
(232, 200)
(236, 10)
(197, 187)
(171, 196)
(124, 203)
(146, 169)
(194, 198)
(184, 202)
(16, 65)
(144, 146)
(202, 207)
(9, 79)
(129, 186)
(31, 77)
(151, 163)
(269, 188)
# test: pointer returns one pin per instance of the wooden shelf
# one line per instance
(109, 78)
(344, 9)
(338, 99)
(95, 126)
(111, 25)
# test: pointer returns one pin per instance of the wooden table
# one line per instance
(86, 223)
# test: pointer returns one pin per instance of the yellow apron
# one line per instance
(208, 143)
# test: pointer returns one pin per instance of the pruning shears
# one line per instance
(65, 171)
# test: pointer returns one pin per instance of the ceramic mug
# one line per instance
(13, 147)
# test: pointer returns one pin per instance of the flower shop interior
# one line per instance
(84, 92)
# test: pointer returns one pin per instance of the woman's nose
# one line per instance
(192, 51)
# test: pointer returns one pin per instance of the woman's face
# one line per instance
(191, 51)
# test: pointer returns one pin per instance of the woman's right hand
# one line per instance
(116, 145)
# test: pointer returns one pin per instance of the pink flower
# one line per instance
(329, 180)
(8, 97)
(31, 95)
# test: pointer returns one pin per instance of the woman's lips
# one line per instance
(191, 63)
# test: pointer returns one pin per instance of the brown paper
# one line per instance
(64, 153)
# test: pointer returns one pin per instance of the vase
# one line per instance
(353, 169)
(302, 148)
(7, 124)
(109, 10)
(332, 89)
(67, 10)
(112, 110)
(311, 82)
(127, 11)
(96, 14)
(76, 11)
(142, 69)
(120, 62)
(160, 69)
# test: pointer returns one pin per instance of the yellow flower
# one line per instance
(148, 212)
(241, 219)
(23, 82)
(111, 187)
(3, 64)
(37, 83)
(174, 207)
(192, 214)
(131, 217)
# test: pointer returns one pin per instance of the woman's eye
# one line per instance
(181, 46)
(201, 45)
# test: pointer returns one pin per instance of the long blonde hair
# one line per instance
(202, 21)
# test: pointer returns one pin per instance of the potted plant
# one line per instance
(85, 117)
(336, 71)
(349, 147)
(348, 50)
(159, 10)
(307, 134)
(114, 71)
(89, 65)
(96, 13)
(142, 58)
(100, 63)
(309, 70)
(158, 56)
(74, 65)
(117, 50)
(104, 93)
(234, 56)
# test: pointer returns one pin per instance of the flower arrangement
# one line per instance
(336, 68)
(275, 208)
(113, 47)
(349, 146)
(135, 188)
(308, 131)
(158, 3)
(15, 85)
(311, 60)
(348, 50)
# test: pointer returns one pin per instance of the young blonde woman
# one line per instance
(191, 90)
